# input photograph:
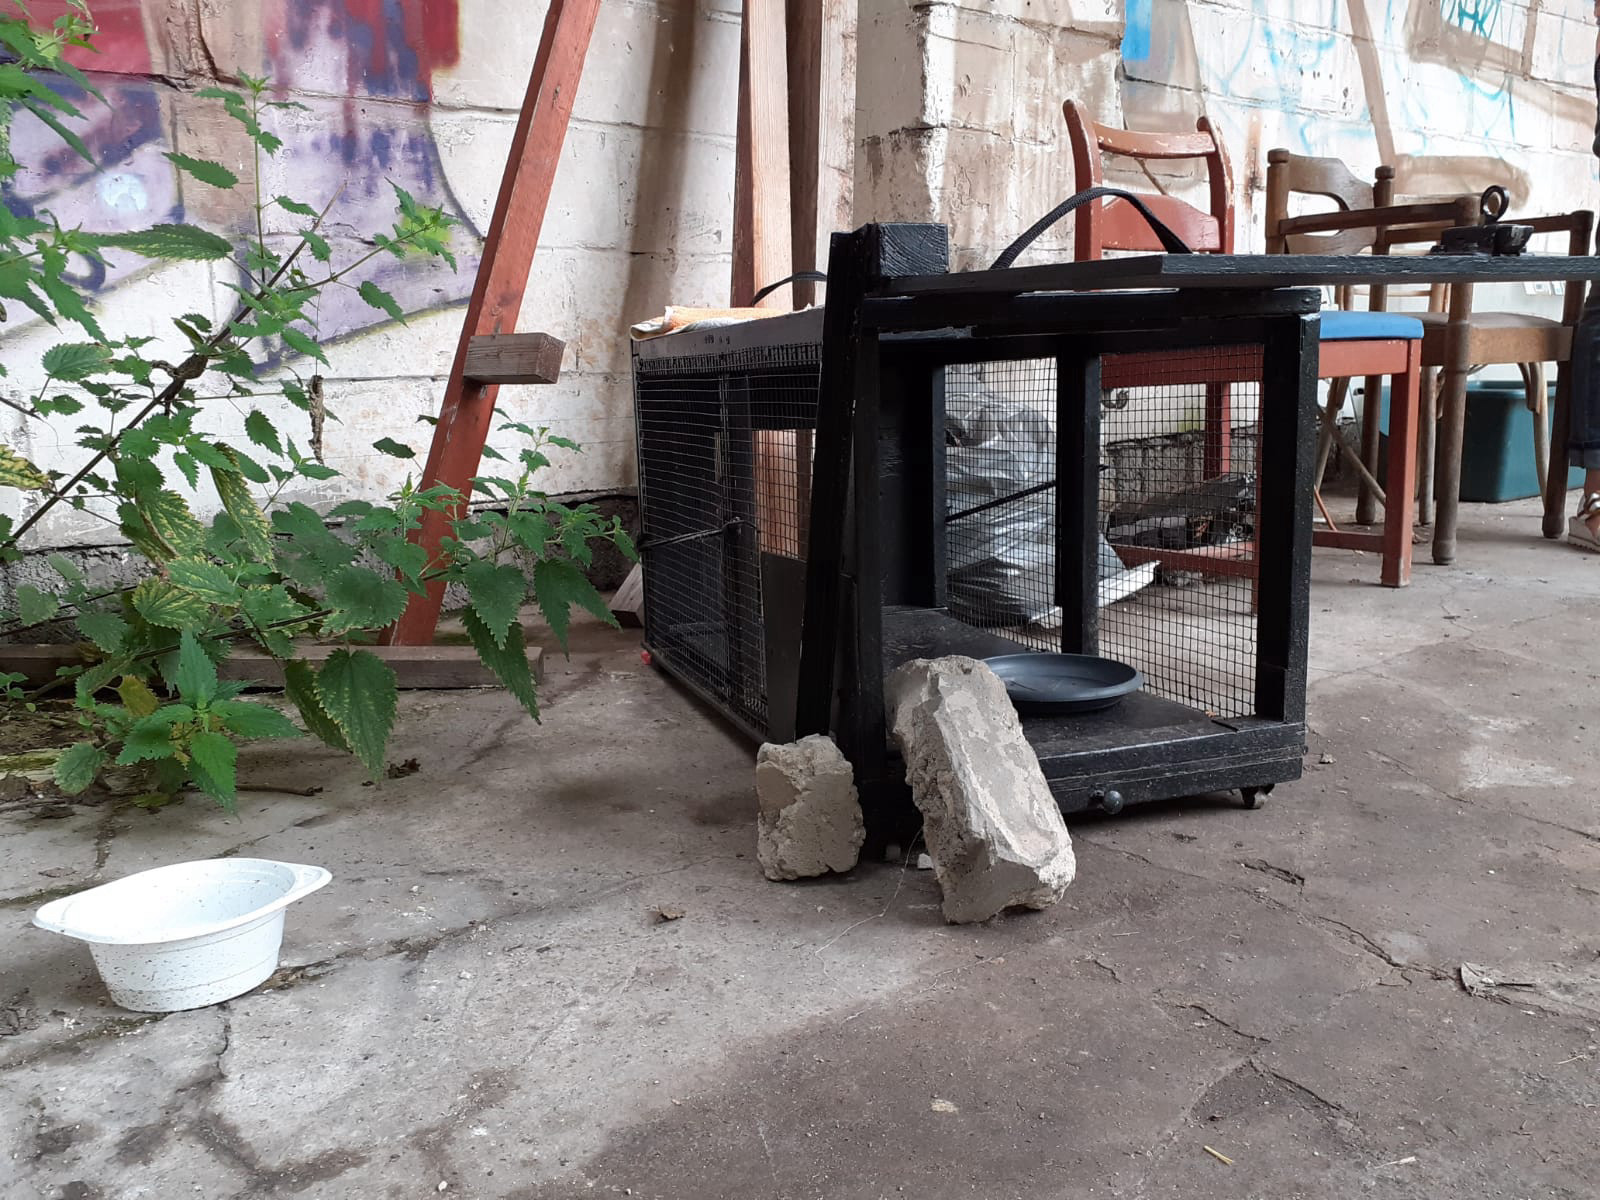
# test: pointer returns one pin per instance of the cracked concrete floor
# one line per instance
(483, 1000)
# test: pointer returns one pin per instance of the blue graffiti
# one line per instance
(1479, 17)
(1136, 36)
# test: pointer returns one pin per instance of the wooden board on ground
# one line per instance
(415, 667)
(627, 604)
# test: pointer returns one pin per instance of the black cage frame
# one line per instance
(870, 587)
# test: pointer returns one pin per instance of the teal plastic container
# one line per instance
(1497, 444)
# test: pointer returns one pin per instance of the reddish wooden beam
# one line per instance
(468, 407)
(763, 235)
(1231, 558)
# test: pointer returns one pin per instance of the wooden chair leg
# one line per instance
(1337, 390)
(1371, 430)
(1427, 428)
(1533, 379)
(1400, 481)
(1555, 480)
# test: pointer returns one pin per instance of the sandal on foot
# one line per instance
(1578, 531)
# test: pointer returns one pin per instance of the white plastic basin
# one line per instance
(187, 935)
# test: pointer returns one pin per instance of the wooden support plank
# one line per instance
(805, 57)
(415, 667)
(514, 358)
(821, 129)
(468, 407)
(762, 230)
(627, 602)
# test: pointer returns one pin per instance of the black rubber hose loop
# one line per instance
(797, 277)
(1170, 241)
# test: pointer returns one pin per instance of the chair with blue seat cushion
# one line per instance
(1385, 345)
(1341, 326)
(1363, 344)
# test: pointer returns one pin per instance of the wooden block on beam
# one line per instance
(514, 358)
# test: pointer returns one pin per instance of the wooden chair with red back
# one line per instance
(1115, 225)
(1353, 343)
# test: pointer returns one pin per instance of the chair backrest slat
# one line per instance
(1113, 224)
(1305, 175)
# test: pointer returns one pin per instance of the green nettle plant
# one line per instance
(266, 569)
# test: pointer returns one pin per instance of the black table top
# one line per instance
(1252, 272)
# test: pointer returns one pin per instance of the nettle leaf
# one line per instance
(410, 559)
(300, 685)
(254, 529)
(213, 762)
(88, 684)
(18, 472)
(136, 696)
(317, 244)
(151, 737)
(303, 344)
(531, 529)
(205, 579)
(33, 606)
(106, 630)
(496, 593)
(195, 676)
(203, 169)
(255, 720)
(364, 598)
(186, 464)
(358, 691)
(248, 467)
(72, 361)
(171, 242)
(77, 767)
(138, 443)
(506, 657)
(294, 206)
(393, 448)
(162, 602)
(624, 543)
(381, 300)
(558, 585)
(210, 456)
(64, 567)
(268, 606)
(168, 516)
(262, 432)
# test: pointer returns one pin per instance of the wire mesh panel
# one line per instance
(1178, 502)
(725, 447)
(1177, 553)
(1000, 455)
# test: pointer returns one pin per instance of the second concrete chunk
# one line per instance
(991, 825)
(810, 820)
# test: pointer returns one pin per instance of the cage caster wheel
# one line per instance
(1108, 802)
(1252, 797)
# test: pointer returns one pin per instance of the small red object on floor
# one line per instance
(644, 657)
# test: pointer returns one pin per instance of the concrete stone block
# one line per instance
(990, 823)
(903, 89)
(810, 821)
